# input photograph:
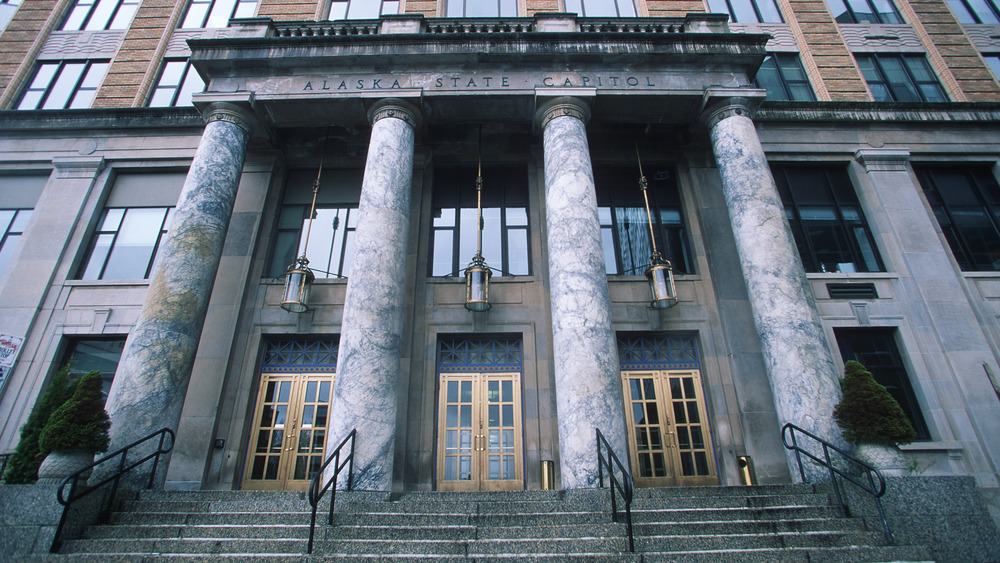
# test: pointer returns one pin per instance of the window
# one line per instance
(876, 349)
(625, 225)
(480, 9)
(64, 85)
(95, 355)
(900, 78)
(95, 15)
(331, 240)
(505, 220)
(782, 75)
(12, 224)
(363, 9)
(216, 13)
(747, 11)
(966, 203)
(126, 242)
(976, 11)
(177, 82)
(864, 11)
(826, 219)
(7, 9)
(993, 61)
(601, 8)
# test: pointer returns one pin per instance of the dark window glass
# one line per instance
(900, 78)
(966, 203)
(782, 75)
(363, 9)
(481, 9)
(625, 225)
(876, 349)
(747, 11)
(976, 11)
(505, 234)
(826, 219)
(864, 11)
(126, 242)
(89, 355)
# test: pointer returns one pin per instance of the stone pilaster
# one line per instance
(801, 371)
(364, 392)
(155, 367)
(587, 377)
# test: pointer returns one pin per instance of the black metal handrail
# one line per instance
(624, 486)
(315, 493)
(789, 430)
(75, 494)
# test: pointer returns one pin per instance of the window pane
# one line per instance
(222, 10)
(64, 84)
(99, 18)
(886, 12)
(77, 16)
(600, 8)
(517, 241)
(769, 11)
(862, 11)
(984, 12)
(135, 244)
(364, 9)
(744, 11)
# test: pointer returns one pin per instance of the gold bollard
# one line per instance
(548, 475)
(747, 474)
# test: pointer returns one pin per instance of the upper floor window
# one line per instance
(900, 78)
(331, 238)
(825, 216)
(177, 82)
(782, 75)
(480, 8)
(363, 9)
(7, 9)
(966, 203)
(12, 224)
(993, 61)
(625, 224)
(747, 11)
(976, 11)
(64, 85)
(601, 8)
(864, 11)
(126, 242)
(505, 220)
(100, 14)
(94, 354)
(216, 13)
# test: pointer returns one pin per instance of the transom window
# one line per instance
(625, 225)
(782, 75)
(900, 78)
(976, 11)
(747, 11)
(12, 225)
(505, 220)
(216, 13)
(826, 219)
(126, 242)
(100, 14)
(876, 349)
(362, 9)
(864, 11)
(966, 203)
(602, 8)
(177, 82)
(64, 85)
(481, 8)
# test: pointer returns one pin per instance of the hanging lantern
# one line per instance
(477, 285)
(659, 274)
(298, 280)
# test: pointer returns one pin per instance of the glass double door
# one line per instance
(669, 436)
(288, 440)
(479, 444)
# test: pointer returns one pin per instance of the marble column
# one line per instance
(365, 389)
(155, 367)
(585, 355)
(804, 380)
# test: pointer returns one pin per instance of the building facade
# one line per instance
(822, 177)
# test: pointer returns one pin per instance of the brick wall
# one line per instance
(16, 41)
(834, 62)
(674, 8)
(288, 10)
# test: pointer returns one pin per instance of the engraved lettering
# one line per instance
(472, 83)
(309, 86)
(650, 83)
(504, 81)
(361, 85)
(438, 82)
(395, 84)
(586, 80)
(487, 79)
(567, 83)
(547, 81)
(454, 81)
(377, 83)
(343, 85)
(632, 81)
(614, 80)
(325, 86)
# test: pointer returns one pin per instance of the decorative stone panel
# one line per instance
(984, 37)
(782, 38)
(894, 38)
(82, 44)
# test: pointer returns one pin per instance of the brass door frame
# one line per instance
(295, 439)
(484, 432)
(669, 431)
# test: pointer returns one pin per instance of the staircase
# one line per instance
(707, 524)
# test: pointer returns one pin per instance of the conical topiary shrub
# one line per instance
(81, 422)
(868, 413)
(22, 468)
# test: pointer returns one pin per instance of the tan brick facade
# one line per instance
(25, 32)
(672, 9)
(834, 62)
(288, 10)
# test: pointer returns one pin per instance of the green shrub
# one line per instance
(22, 467)
(868, 413)
(81, 422)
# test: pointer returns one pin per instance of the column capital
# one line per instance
(397, 108)
(562, 106)
(721, 103)
(235, 108)
(883, 160)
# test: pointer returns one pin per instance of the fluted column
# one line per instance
(803, 377)
(365, 389)
(587, 377)
(155, 367)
